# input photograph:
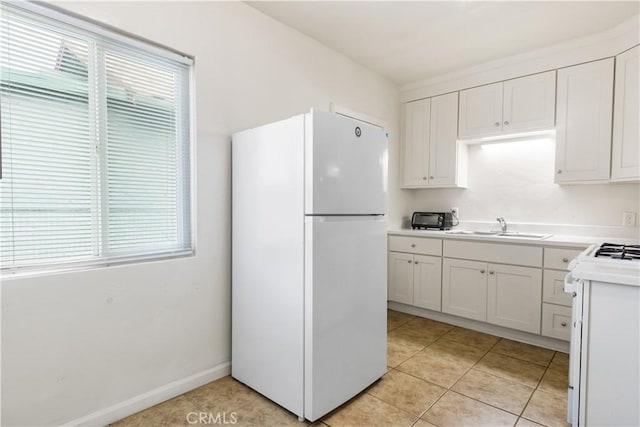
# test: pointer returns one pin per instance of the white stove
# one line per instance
(608, 262)
(604, 373)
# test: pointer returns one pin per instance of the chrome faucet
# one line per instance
(503, 224)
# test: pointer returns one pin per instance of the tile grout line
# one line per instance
(480, 401)
(536, 389)
(394, 406)
(465, 373)
(443, 336)
(518, 416)
(428, 382)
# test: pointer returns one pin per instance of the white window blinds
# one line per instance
(95, 144)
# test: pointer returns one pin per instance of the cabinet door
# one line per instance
(529, 103)
(625, 164)
(400, 277)
(427, 281)
(416, 142)
(443, 146)
(514, 297)
(583, 122)
(553, 288)
(480, 111)
(464, 288)
(556, 321)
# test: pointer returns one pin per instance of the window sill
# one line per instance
(85, 265)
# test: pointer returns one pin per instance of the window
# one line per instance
(96, 134)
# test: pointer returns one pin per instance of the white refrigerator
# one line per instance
(309, 264)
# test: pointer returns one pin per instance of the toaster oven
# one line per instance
(432, 220)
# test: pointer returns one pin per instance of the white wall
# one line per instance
(515, 180)
(76, 343)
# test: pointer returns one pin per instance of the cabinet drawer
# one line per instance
(503, 253)
(559, 258)
(415, 245)
(553, 288)
(556, 321)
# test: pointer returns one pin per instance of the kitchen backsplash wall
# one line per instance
(515, 180)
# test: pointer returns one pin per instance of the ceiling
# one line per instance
(412, 41)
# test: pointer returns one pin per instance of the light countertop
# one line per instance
(553, 240)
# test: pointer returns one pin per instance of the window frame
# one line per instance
(153, 48)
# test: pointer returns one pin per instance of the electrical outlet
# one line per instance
(628, 219)
(455, 212)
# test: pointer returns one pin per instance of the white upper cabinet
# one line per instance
(513, 106)
(480, 111)
(625, 162)
(416, 142)
(529, 103)
(447, 161)
(583, 122)
(432, 155)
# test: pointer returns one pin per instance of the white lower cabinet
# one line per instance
(514, 286)
(504, 295)
(464, 288)
(553, 288)
(427, 274)
(400, 287)
(415, 280)
(556, 303)
(514, 295)
(556, 321)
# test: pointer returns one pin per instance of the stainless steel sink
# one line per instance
(475, 232)
(524, 235)
(517, 234)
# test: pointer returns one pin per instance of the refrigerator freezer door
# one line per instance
(345, 308)
(345, 166)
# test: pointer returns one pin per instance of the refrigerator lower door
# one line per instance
(345, 308)
(345, 166)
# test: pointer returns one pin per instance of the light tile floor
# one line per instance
(438, 375)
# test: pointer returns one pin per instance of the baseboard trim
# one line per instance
(512, 334)
(153, 397)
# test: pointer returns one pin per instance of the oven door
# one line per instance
(575, 288)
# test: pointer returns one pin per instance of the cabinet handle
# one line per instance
(491, 272)
(497, 124)
(481, 271)
(409, 261)
(424, 178)
(506, 122)
(565, 259)
(416, 262)
(563, 324)
(413, 245)
(559, 171)
(430, 177)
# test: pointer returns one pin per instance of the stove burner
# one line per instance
(616, 251)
